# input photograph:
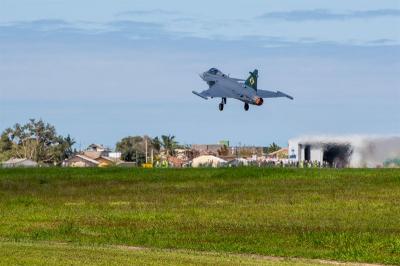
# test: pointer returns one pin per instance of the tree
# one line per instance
(156, 143)
(273, 147)
(131, 149)
(38, 141)
(169, 144)
(223, 151)
(5, 147)
(63, 149)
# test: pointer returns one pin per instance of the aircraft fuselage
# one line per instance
(232, 88)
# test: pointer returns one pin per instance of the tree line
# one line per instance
(133, 148)
(39, 141)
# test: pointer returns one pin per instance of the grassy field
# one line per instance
(38, 253)
(346, 215)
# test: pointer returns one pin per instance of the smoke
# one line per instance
(362, 150)
(378, 150)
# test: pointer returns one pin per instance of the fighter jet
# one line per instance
(222, 86)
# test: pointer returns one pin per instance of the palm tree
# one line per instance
(169, 144)
(273, 147)
(156, 143)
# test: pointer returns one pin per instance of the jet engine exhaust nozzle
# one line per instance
(259, 101)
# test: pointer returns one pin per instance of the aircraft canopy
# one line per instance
(214, 71)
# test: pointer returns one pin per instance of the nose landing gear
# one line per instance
(246, 106)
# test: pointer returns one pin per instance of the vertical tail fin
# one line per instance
(251, 81)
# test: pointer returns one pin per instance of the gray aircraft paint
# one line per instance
(223, 86)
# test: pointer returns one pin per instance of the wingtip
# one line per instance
(286, 95)
(198, 94)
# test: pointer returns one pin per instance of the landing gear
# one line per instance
(246, 106)
(223, 102)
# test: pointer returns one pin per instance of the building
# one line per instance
(223, 149)
(345, 151)
(208, 161)
(278, 155)
(19, 162)
(184, 154)
(114, 155)
(106, 161)
(175, 162)
(91, 159)
(247, 151)
(236, 162)
(95, 155)
(97, 148)
(210, 149)
(80, 160)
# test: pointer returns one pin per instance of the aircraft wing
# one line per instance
(214, 91)
(235, 79)
(202, 94)
(272, 94)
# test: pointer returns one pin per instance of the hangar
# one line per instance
(345, 151)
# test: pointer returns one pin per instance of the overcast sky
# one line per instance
(102, 70)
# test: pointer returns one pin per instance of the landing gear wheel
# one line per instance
(221, 106)
(246, 106)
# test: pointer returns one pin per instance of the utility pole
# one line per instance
(145, 141)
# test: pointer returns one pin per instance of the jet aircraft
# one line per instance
(222, 86)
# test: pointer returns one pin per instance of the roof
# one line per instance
(15, 160)
(206, 147)
(18, 160)
(243, 160)
(110, 159)
(92, 154)
(279, 151)
(175, 160)
(83, 157)
(94, 145)
(208, 158)
(97, 147)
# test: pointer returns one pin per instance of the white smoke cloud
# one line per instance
(366, 150)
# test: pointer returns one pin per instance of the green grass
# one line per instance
(346, 215)
(66, 254)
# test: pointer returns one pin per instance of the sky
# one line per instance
(103, 70)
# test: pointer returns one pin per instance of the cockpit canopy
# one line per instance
(214, 71)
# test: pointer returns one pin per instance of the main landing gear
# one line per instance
(221, 105)
(246, 106)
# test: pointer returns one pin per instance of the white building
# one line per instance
(345, 151)
(115, 155)
(19, 162)
(208, 161)
(238, 162)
